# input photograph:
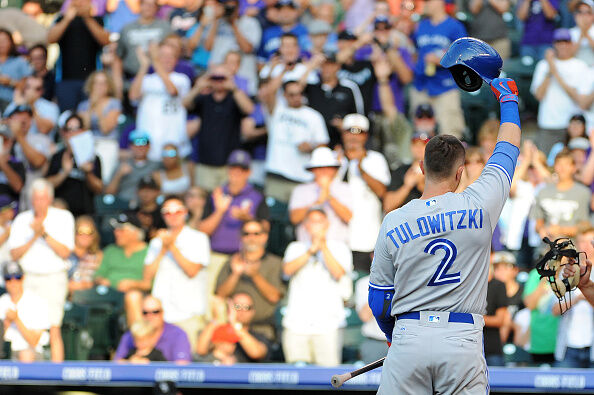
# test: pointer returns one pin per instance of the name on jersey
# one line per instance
(435, 224)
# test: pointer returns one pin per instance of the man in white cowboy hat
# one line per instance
(327, 192)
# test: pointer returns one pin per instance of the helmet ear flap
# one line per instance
(466, 78)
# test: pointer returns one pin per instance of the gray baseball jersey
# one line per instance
(435, 252)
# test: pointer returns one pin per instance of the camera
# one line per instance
(229, 9)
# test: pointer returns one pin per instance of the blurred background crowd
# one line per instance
(204, 180)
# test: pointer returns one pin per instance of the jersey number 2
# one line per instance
(441, 276)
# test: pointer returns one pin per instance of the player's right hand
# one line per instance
(505, 89)
(569, 271)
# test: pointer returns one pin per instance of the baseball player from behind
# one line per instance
(428, 281)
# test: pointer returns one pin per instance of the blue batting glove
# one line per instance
(505, 89)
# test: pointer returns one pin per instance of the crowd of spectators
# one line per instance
(249, 151)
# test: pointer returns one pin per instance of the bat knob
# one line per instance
(338, 379)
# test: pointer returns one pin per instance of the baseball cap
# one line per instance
(239, 158)
(579, 143)
(286, 3)
(7, 201)
(322, 157)
(124, 219)
(12, 269)
(355, 123)
(330, 56)
(224, 333)
(346, 35)
(139, 137)
(148, 182)
(589, 3)
(18, 109)
(318, 26)
(503, 257)
(420, 136)
(382, 19)
(424, 111)
(561, 34)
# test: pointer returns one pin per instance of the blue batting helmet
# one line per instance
(471, 61)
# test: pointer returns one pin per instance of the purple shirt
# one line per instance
(173, 343)
(537, 28)
(397, 88)
(97, 5)
(226, 237)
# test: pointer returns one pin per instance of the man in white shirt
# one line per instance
(227, 31)
(368, 176)
(31, 149)
(41, 240)
(315, 309)
(582, 34)
(294, 131)
(160, 109)
(175, 260)
(558, 80)
(25, 317)
(325, 192)
(45, 112)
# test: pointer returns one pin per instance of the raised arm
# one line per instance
(56, 32)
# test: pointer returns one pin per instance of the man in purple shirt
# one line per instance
(173, 341)
(229, 206)
(539, 24)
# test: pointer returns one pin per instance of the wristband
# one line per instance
(510, 113)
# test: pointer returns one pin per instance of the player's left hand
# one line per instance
(505, 89)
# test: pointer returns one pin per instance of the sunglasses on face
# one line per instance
(151, 312)
(355, 131)
(13, 277)
(140, 142)
(172, 211)
(85, 231)
(217, 77)
(245, 233)
(242, 307)
(169, 153)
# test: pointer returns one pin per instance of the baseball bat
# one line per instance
(339, 379)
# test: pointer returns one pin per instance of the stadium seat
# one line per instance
(477, 107)
(106, 319)
(76, 337)
(352, 337)
(281, 229)
(521, 70)
(107, 207)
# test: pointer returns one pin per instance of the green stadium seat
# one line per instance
(107, 207)
(281, 229)
(477, 107)
(105, 323)
(77, 339)
(521, 70)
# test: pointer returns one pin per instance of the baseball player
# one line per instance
(428, 282)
